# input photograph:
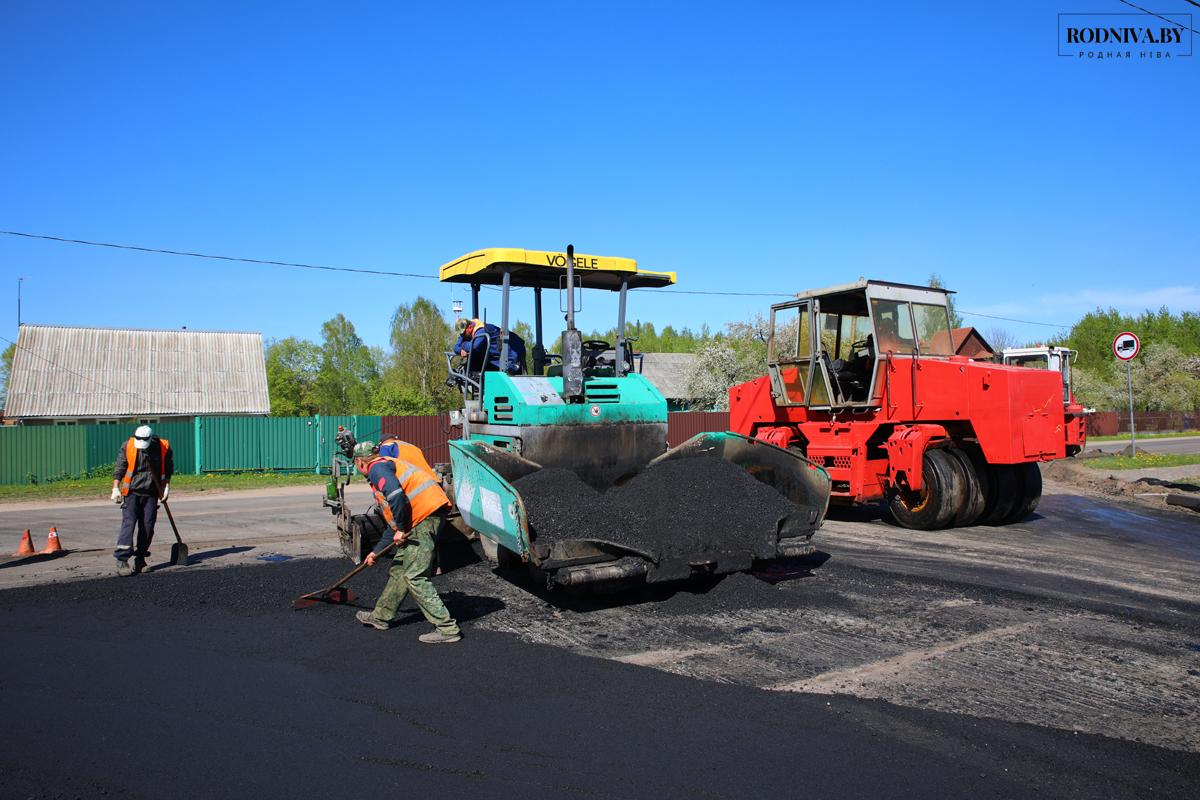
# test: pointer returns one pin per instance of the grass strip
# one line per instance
(1142, 461)
(99, 488)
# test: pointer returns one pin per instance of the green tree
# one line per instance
(348, 372)
(1093, 334)
(1162, 381)
(416, 372)
(956, 320)
(292, 368)
(420, 336)
(735, 356)
(391, 397)
(6, 360)
(524, 330)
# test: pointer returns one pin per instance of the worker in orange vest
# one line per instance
(414, 507)
(392, 447)
(141, 478)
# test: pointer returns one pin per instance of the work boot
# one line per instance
(139, 564)
(123, 568)
(437, 637)
(368, 618)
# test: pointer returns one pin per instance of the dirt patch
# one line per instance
(678, 508)
(1146, 490)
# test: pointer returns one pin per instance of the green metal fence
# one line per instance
(42, 453)
(36, 455)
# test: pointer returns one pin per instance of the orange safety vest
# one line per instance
(407, 452)
(425, 495)
(131, 457)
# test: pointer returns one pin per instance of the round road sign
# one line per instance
(1126, 346)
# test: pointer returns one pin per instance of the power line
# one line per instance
(218, 258)
(730, 294)
(1160, 16)
(412, 274)
(1010, 319)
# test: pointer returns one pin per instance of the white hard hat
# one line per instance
(141, 437)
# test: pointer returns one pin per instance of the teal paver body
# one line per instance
(538, 401)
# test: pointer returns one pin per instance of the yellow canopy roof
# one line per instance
(543, 268)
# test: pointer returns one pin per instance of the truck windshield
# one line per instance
(1032, 362)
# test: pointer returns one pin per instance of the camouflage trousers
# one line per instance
(411, 567)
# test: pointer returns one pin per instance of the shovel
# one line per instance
(336, 592)
(179, 550)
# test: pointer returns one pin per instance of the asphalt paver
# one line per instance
(204, 683)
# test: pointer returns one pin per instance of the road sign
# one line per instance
(1126, 346)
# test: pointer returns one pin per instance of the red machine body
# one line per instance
(1015, 415)
(946, 439)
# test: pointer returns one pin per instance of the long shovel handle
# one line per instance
(345, 578)
(170, 516)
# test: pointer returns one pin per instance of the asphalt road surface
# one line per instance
(1059, 657)
(1179, 444)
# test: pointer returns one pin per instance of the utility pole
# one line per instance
(19, 280)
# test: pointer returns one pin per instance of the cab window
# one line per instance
(893, 326)
(933, 328)
(791, 337)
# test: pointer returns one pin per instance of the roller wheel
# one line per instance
(1029, 479)
(1004, 493)
(975, 493)
(939, 498)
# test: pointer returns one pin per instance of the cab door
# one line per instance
(790, 357)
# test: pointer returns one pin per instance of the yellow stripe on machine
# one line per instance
(544, 268)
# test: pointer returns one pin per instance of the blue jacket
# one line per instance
(478, 345)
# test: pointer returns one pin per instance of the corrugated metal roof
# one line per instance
(61, 371)
(669, 373)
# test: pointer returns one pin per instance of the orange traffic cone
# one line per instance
(53, 545)
(26, 548)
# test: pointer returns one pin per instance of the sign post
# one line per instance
(1126, 347)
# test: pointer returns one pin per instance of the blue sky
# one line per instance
(753, 147)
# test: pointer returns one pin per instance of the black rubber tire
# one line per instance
(975, 496)
(1003, 495)
(935, 505)
(1029, 478)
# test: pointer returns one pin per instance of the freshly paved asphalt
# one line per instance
(206, 684)
(201, 682)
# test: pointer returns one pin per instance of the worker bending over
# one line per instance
(141, 478)
(414, 507)
(479, 342)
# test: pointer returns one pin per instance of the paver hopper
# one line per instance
(490, 504)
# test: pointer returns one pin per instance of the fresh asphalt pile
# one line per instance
(677, 508)
(204, 683)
